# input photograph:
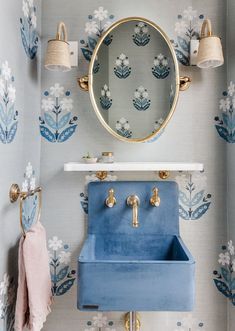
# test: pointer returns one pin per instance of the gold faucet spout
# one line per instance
(111, 200)
(134, 201)
(155, 199)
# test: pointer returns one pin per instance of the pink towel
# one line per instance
(34, 283)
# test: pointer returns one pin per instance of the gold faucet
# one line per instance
(155, 199)
(134, 201)
(111, 200)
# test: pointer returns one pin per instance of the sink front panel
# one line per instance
(166, 286)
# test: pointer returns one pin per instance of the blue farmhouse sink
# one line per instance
(122, 268)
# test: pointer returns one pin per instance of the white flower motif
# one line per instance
(160, 56)
(25, 186)
(122, 120)
(6, 71)
(126, 126)
(224, 258)
(158, 124)
(137, 29)
(32, 183)
(55, 243)
(91, 27)
(165, 62)
(2, 87)
(137, 94)
(182, 179)
(156, 62)
(122, 56)
(67, 104)
(11, 93)
(100, 13)
(56, 90)
(102, 93)
(118, 62)
(126, 62)
(108, 94)
(25, 9)
(99, 320)
(29, 170)
(47, 104)
(141, 24)
(34, 20)
(180, 27)
(118, 126)
(231, 89)
(231, 247)
(106, 87)
(145, 94)
(65, 257)
(189, 13)
(233, 102)
(4, 284)
(141, 89)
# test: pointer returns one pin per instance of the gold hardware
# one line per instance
(155, 199)
(111, 200)
(184, 83)
(83, 82)
(15, 193)
(164, 174)
(91, 79)
(101, 175)
(136, 322)
(134, 201)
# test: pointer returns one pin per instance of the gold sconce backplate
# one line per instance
(185, 82)
(83, 82)
(14, 192)
(164, 174)
(127, 319)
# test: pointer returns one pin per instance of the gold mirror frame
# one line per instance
(90, 78)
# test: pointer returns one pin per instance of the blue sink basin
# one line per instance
(122, 268)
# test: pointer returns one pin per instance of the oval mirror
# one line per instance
(134, 80)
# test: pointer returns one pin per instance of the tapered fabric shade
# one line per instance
(210, 52)
(58, 52)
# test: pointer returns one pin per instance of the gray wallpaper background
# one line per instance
(190, 136)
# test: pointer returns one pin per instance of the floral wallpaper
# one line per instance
(28, 27)
(100, 322)
(225, 276)
(8, 114)
(141, 99)
(105, 99)
(225, 123)
(161, 68)
(189, 323)
(194, 201)
(57, 124)
(62, 276)
(141, 36)
(187, 27)
(7, 302)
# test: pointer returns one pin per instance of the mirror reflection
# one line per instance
(134, 80)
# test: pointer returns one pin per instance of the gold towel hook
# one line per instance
(16, 193)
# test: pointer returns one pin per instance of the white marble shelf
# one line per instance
(134, 166)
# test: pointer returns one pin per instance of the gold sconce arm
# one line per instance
(155, 199)
(83, 82)
(111, 200)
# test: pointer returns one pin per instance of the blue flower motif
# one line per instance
(123, 128)
(141, 36)
(122, 69)
(28, 31)
(193, 202)
(187, 28)
(84, 202)
(97, 24)
(105, 99)
(225, 124)
(225, 277)
(141, 101)
(57, 123)
(160, 67)
(8, 114)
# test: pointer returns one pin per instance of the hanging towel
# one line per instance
(34, 283)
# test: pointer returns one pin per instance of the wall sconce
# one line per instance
(210, 52)
(58, 51)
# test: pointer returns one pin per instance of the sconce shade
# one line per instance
(210, 52)
(58, 52)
